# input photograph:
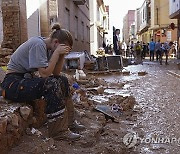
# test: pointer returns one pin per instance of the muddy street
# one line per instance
(151, 127)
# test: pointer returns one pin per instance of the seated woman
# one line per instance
(45, 55)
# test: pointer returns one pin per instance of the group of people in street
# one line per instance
(140, 50)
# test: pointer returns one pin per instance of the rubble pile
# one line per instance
(15, 118)
(92, 87)
(5, 56)
(142, 73)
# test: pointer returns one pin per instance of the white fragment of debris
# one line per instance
(25, 112)
(82, 75)
(36, 132)
(79, 74)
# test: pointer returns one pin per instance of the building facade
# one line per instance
(160, 22)
(73, 15)
(174, 9)
(144, 18)
(33, 20)
(137, 23)
(132, 34)
(127, 21)
(174, 13)
(99, 24)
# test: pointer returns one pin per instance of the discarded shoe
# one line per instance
(76, 127)
(67, 135)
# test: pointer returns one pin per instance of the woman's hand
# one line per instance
(63, 49)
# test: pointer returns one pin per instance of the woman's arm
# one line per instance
(45, 72)
(59, 65)
(60, 51)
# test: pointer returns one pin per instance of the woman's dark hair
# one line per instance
(63, 35)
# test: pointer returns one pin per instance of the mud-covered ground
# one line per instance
(154, 121)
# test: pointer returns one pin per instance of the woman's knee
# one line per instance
(58, 84)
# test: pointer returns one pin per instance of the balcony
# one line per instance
(79, 2)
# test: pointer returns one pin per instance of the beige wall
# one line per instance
(154, 15)
(160, 13)
(164, 13)
(160, 20)
(44, 18)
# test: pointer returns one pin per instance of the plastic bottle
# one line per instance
(77, 74)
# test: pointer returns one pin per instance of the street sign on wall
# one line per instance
(168, 35)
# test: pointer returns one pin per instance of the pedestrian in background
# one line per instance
(158, 49)
(144, 50)
(138, 52)
(116, 42)
(152, 49)
(132, 49)
(164, 50)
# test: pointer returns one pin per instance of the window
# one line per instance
(76, 28)
(67, 19)
(82, 32)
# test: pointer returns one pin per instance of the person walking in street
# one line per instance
(144, 50)
(158, 49)
(132, 50)
(138, 52)
(152, 49)
(164, 50)
(46, 56)
(116, 42)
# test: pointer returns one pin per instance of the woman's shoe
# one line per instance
(76, 127)
(67, 135)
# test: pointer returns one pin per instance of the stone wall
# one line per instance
(1, 25)
(14, 23)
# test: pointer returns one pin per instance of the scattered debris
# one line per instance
(128, 103)
(126, 72)
(108, 112)
(96, 90)
(25, 112)
(142, 73)
(33, 131)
